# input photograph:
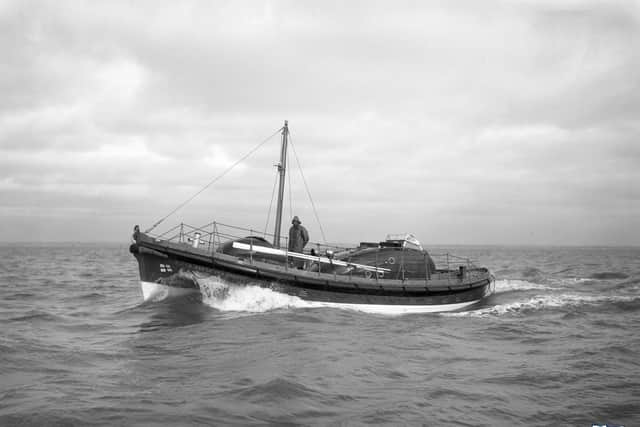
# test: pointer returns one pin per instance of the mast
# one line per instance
(282, 166)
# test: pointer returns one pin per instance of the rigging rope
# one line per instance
(313, 205)
(253, 150)
(290, 200)
(273, 192)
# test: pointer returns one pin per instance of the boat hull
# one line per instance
(152, 291)
(168, 270)
(395, 309)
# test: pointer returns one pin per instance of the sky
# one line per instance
(463, 122)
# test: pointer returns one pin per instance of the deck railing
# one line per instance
(215, 234)
(210, 237)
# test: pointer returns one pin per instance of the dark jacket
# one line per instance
(298, 238)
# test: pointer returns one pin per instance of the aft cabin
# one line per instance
(401, 254)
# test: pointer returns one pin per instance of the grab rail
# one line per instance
(212, 236)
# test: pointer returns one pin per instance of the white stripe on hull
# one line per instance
(158, 292)
(392, 309)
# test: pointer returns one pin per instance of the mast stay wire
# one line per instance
(273, 192)
(290, 199)
(313, 205)
(226, 171)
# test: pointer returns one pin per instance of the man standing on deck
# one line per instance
(298, 236)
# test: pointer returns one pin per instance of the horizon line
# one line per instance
(552, 245)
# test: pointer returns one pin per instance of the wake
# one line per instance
(544, 302)
(248, 298)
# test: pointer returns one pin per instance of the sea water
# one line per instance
(557, 344)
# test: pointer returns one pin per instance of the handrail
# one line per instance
(215, 234)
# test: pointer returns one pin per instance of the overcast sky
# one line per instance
(464, 122)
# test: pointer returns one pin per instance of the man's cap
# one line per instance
(296, 219)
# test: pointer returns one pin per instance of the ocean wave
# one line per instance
(631, 281)
(91, 295)
(36, 316)
(19, 296)
(531, 272)
(544, 302)
(509, 285)
(605, 275)
(248, 298)
(630, 286)
(630, 304)
(276, 389)
(564, 281)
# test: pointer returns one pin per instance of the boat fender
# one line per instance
(391, 260)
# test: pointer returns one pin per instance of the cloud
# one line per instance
(463, 122)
